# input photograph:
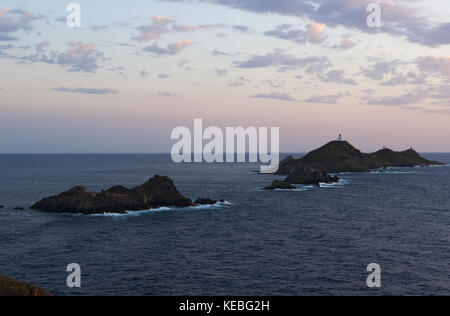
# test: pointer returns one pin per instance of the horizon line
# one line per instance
(168, 153)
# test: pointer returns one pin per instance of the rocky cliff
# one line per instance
(341, 156)
(10, 287)
(157, 192)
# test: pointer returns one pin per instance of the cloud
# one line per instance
(144, 74)
(380, 69)
(42, 46)
(241, 28)
(182, 63)
(417, 72)
(83, 57)
(285, 62)
(409, 78)
(193, 28)
(400, 17)
(3, 11)
(97, 28)
(219, 53)
(345, 44)
(184, 28)
(7, 38)
(159, 26)
(172, 49)
(239, 82)
(221, 72)
(7, 46)
(431, 94)
(286, 32)
(432, 36)
(442, 93)
(87, 91)
(162, 25)
(61, 19)
(434, 65)
(164, 76)
(12, 21)
(275, 96)
(405, 99)
(316, 33)
(80, 57)
(337, 76)
(284, 7)
(327, 99)
(166, 94)
(274, 84)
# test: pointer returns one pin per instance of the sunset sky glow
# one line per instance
(137, 69)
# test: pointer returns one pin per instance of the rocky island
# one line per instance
(340, 156)
(157, 192)
(11, 287)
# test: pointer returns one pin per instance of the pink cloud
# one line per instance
(434, 64)
(159, 26)
(3, 11)
(345, 44)
(179, 46)
(316, 32)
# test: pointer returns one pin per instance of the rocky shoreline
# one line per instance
(11, 287)
(341, 156)
(155, 193)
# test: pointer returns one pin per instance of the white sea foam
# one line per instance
(302, 188)
(158, 210)
(392, 172)
(340, 183)
(297, 189)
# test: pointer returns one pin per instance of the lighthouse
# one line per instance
(340, 138)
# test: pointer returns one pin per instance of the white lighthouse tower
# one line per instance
(340, 138)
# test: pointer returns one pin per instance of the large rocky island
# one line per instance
(157, 192)
(341, 156)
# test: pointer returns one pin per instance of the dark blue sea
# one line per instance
(313, 241)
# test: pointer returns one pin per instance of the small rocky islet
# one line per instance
(340, 156)
(157, 192)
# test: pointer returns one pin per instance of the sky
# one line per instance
(137, 69)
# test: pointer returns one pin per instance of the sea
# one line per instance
(309, 241)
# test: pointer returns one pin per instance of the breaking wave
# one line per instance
(389, 171)
(340, 183)
(158, 210)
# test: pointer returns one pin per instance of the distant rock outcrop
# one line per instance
(205, 202)
(280, 185)
(389, 158)
(155, 193)
(310, 176)
(10, 287)
(341, 156)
